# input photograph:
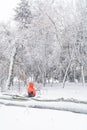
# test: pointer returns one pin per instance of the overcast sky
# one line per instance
(6, 10)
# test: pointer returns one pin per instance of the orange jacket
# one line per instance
(31, 88)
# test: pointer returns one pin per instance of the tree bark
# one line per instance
(68, 68)
(66, 73)
(11, 68)
(83, 78)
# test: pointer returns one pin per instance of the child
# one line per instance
(31, 91)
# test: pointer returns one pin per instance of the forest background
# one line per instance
(48, 43)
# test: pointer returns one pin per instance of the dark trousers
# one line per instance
(30, 94)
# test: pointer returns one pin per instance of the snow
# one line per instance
(71, 90)
(26, 115)
(15, 118)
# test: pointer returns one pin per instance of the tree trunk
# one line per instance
(11, 68)
(66, 73)
(64, 79)
(83, 78)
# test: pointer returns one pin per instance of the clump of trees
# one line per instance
(49, 42)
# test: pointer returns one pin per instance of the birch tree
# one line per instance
(11, 68)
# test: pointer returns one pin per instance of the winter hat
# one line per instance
(31, 84)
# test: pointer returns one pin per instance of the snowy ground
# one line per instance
(16, 118)
(22, 118)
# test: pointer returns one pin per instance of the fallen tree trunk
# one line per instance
(72, 105)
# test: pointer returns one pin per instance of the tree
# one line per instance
(23, 17)
(6, 44)
(23, 14)
(48, 41)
